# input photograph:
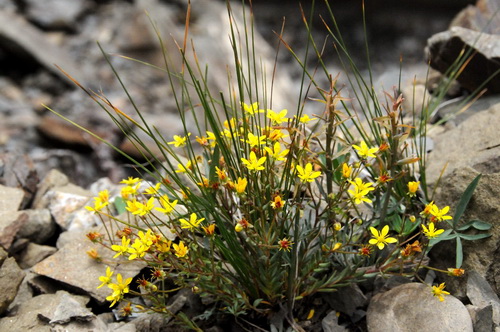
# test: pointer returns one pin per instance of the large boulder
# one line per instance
(412, 308)
(472, 143)
(479, 256)
(474, 33)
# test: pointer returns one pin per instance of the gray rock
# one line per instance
(25, 41)
(481, 294)
(3, 255)
(481, 17)
(411, 307)
(39, 226)
(65, 205)
(33, 254)
(346, 299)
(331, 324)
(72, 265)
(10, 199)
(18, 170)
(479, 255)
(472, 143)
(68, 308)
(482, 318)
(55, 14)
(37, 313)
(445, 47)
(11, 277)
(10, 224)
(54, 178)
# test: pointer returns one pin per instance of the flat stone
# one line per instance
(54, 178)
(479, 256)
(26, 41)
(33, 254)
(73, 266)
(39, 226)
(481, 294)
(19, 171)
(55, 14)
(11, 277)
(65, 204)
(37, 314)
(10, 224)
(459, 148)
(444, 48)
(10, 199)
(412, 308)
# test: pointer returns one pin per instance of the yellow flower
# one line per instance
(179, 141)
(147, 207)
(440, 215)
(439, 291)
(153, 190)
(285, 244)
(221, 174)
(192, 223)
(107, 278)
(128, 191)
(364, 151)
(137, 250)
(254, 140)
(242, 224)
(205, 183)
(431, 232)
(360, 196)
(121, 249)
(133, 207)
(305, 119)
(427, 209)
(163, 245)
(359, 185)
(275, 134)
(167, 206)
(381, 239)
(98, 205)
(412, 188)
(147, 238)
(306, 174)
(346, 170)
(183, 169)
(360, 191)
(277, 203)
(180, 250)
(277, 118)
(454, 272)
(209, 230)
(276, 152)
(103, 196)
(240, 185)
(130, 180)
(254, 164)
(119, 288)
(251, 109)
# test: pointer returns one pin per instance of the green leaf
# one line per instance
(472, 237)
(464, 200)
(459, 253)
(480, 225)
(120, 205)
(445, 236)
(477, 224)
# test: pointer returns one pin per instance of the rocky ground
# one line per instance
(49, 171)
